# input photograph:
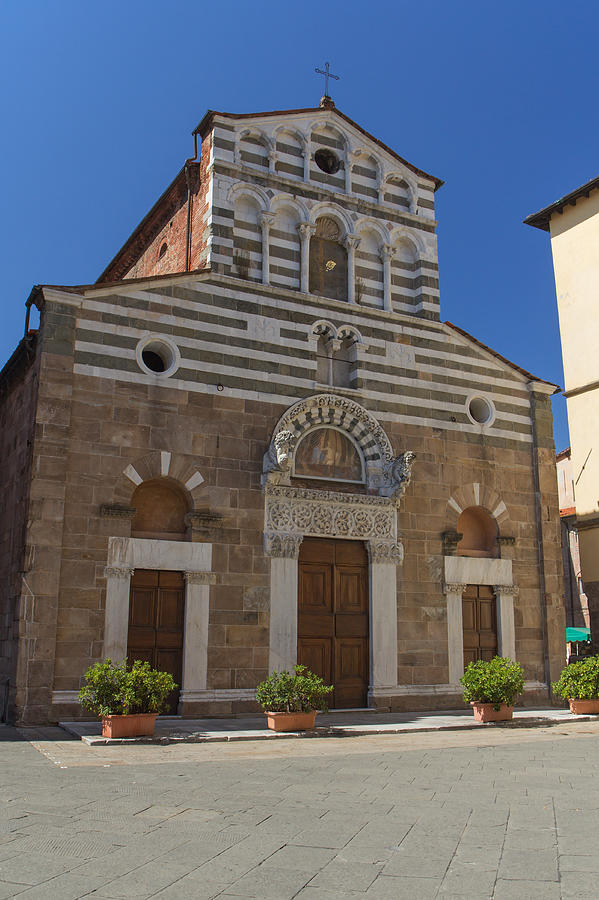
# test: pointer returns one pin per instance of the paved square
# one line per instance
(488, 814)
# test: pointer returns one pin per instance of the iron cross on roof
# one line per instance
(327, 74)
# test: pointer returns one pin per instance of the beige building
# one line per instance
(253, 441)
(573, 223)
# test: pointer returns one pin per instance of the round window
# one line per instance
(327, 161)
(481, 410)
(157, 356)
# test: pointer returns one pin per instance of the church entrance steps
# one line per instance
(335, 724)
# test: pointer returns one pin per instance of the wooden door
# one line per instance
(333, 617)
(156, 608)
(479, 617)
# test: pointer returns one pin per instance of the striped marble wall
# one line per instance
(259, 343)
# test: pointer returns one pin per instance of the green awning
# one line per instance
(578, 634)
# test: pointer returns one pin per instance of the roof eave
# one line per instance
(542, 218)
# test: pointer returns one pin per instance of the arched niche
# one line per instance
(397, 192)
(160, 509)
(290, 154)
(369, 269)
(253, 149)
(365, 176)
(247, 237)
(326, 453)
(285, 246)
(328, 260)
(479, 533)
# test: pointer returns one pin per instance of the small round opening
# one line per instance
(153, 360)
(158, 355)
(480, 410)
(327, 161)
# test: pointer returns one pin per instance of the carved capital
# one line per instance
(385, 552)
(117, 511)
(282, 545)
(203, 522)
(118, 572)
(512, 589)
(199, 578)
(352, 241)
(306, 230)
(387, 252)
(451, 539)
(266, 220)
(454, 588)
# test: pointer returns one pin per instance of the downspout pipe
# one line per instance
(188, 180)
(540, 549)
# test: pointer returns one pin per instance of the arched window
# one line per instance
(369, 270)
(343, 363)
(479, 533)
(328, 260)
(328, 454)
(160, 509)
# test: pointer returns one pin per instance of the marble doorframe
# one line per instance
(294, 513)
(460, 571)
(195, 561)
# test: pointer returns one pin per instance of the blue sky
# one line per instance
(99, 102)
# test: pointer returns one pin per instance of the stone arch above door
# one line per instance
(389, 475)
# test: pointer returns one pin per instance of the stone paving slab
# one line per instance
(353, 723)
(462, 814)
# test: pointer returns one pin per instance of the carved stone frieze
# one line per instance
(282, 544)
(118, 572)
(385, 552)
(512, 589)
(454, 588)
(329, 514)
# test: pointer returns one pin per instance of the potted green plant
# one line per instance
(579, 685)
(128, 699)
(490, 686)
(291, 700)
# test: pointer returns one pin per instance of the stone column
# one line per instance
(455, 631)
(195, 636)
(266, 221)
(387, 252)
(506, 630)
(351, 242)
(283, 550)
(116, 617)
(306, 229)
(306, 154)
(385, 556)
(348, 164)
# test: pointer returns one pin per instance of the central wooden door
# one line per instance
(479, 617)
(156, 608)
(333, 617)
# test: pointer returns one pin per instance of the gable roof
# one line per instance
(542, 218)
(206, 123)
(528, 375)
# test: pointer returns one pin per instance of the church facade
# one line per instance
(253, 442)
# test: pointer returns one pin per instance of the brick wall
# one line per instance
(18, 394)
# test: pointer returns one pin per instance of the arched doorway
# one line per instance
(157, 597)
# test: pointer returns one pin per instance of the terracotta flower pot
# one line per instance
(137, 725)
(291, 721)
(485, 712)
(584, 707)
